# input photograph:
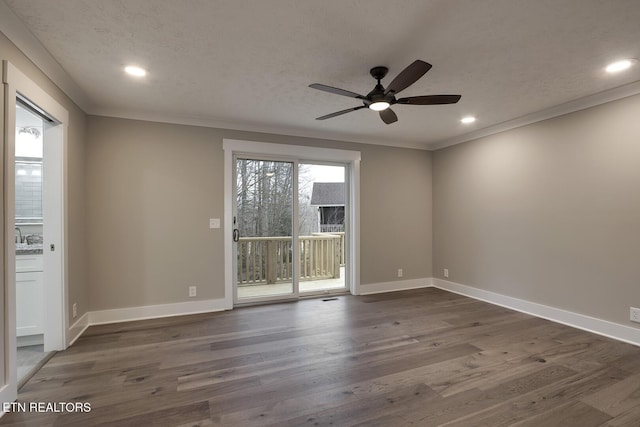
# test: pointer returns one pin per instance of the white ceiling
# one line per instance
(247, 64)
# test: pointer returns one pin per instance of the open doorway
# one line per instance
(32, 113)
(29, 238)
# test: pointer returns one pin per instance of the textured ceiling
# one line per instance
(247, 64)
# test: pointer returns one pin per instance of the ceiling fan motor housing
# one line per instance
(377, 94)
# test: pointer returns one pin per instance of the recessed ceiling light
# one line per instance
(468, 119)
(132, 70)
(617, 66)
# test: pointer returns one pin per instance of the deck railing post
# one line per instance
(336, 258)
(272, 259)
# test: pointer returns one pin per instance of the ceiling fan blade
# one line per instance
(388, 116)
(336, 90)
(408, 76)
(339, 113)
(430, 100)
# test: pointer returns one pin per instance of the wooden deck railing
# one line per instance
(331, 228)
(266, 260)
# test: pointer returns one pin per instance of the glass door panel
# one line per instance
(264, 224)
(322, 212)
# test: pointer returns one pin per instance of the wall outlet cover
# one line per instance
(634, 314)
(446, 272)
(75, 310)
(192, 291)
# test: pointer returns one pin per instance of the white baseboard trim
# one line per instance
(399, 285)
(77, 329)
(590, 324)
(156, 311)
(129, 314)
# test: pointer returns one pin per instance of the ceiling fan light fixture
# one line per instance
(617, 66)
(135, 71)
(379, 106)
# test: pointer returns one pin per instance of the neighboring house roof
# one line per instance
(327, 194)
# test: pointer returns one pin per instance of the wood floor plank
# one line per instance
(526, 406)
(421, 357)
(465, 403)
(361, 410)
(617, 398)
(572, 414)
(626, 419)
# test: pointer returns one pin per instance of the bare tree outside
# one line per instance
(264, 198)
(308, 215)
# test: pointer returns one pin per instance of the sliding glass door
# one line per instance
(264, 225)
(291, 221)
(322, 219)
(290, 228)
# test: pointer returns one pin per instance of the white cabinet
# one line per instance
(29, 295)
(29, 263)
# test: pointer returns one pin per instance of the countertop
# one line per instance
(25, 249)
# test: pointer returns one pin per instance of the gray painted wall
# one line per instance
(152, 187)
(549, 213)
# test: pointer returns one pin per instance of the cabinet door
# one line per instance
(26, 263)
(29, 304)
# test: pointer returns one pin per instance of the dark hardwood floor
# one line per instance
(421, 358)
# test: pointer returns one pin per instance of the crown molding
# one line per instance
(15, 30)
(249, 127)
(589, 101)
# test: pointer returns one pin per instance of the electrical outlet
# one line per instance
(634, 314)
(400, 272)
(214, 222)
(192, 291)
(446, 272)
(75, 310)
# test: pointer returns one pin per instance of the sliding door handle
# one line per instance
(236, 235)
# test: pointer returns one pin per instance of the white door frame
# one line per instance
(55, 262)
(296, 153)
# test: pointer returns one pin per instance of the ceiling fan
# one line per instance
(380, 99)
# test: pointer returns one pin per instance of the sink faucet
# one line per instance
(19, 234)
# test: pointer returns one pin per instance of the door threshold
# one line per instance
(24, 380)
(325, 294)
(266, 302)
(316, 295)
